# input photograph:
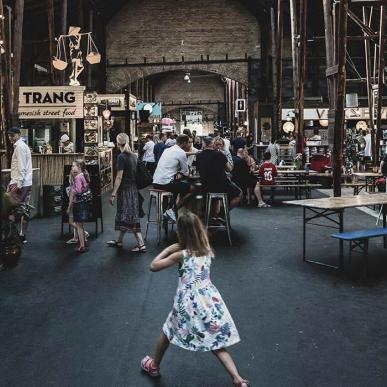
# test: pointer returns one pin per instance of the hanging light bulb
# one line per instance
(186, 77)
(189, 80)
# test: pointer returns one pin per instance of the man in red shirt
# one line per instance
(268, 171)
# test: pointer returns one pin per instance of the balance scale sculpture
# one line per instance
(72, 43)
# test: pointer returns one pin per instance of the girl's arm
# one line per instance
(168, 257)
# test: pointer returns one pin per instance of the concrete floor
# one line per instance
(70, 320)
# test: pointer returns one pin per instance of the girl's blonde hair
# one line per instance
(193, 236)
(82, 167)
(123, 140)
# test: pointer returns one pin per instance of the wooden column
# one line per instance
(329, 49)
(274, 69)
(367, 53)
(382, 39)
(280, 13)
(17, 53)
(51, 37)
(301, 76)
(294, 34)
(340, 98)
(90, 68)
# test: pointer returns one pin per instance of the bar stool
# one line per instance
(158, 196)
(223, 198)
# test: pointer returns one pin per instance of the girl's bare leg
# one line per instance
(227, 362)
(161, 347)
(81, 234)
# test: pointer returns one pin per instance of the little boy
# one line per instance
(267, 171)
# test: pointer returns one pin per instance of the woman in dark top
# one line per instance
(128, 200)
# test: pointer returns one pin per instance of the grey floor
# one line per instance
(70, 320)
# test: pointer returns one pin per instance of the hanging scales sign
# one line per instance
(61, 102)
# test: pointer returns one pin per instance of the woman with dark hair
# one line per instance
(128, 198)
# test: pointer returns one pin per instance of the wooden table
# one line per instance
(368, 176)
(329, 209)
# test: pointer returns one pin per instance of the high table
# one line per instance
(329, 208)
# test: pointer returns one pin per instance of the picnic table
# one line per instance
(332, 209)
(368, 176)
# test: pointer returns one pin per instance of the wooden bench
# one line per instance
(298, 188)
(359, 239)
(357, 186)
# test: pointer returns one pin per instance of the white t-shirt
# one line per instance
(21, 165)
(191, 158)
(149, 156)
(227, 144)
(368, 146)
(172, 161)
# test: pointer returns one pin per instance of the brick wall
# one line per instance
(156, 28)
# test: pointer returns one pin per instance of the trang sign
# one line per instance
(51, 102)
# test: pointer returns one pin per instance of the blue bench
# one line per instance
(359, 239)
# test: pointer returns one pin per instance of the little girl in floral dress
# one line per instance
(199, 320)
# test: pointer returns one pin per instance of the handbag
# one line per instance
(85, 197)
(143, 176)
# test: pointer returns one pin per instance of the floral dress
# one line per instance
(199, 320)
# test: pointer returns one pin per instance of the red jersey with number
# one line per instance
(267, 173)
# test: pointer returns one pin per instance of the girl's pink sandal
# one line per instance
(149, 366)
(242, 383)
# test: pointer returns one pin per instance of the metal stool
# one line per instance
(158, 196)
(223, 198)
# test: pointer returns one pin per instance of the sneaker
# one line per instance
(170, 214)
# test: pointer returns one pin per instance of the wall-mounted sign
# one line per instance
(240, 105)
(115, 101)
(132, 102)
(61, 102)
(156, 108)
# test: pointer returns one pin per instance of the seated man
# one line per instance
(267, 171)
(212, 166)
(173, 161)
(242, 176)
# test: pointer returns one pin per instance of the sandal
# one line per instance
(72, 241)
(139, 249)
(148, 365)
(242, 383)
(263, 205)
(114, 243)
(82, 249)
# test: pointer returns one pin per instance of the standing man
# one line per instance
(20, 186)
(149, 157)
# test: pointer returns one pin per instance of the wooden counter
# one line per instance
(51, 166)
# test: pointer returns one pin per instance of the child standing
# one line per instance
(74, 240)
(199, 320)
(80, 201)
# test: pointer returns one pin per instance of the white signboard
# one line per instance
(60, 102)
(240, 105)
(115, 101)
(350, 114)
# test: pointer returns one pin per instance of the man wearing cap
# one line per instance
(20, 186)
(67, 145)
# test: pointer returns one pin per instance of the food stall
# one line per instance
(46, 113)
